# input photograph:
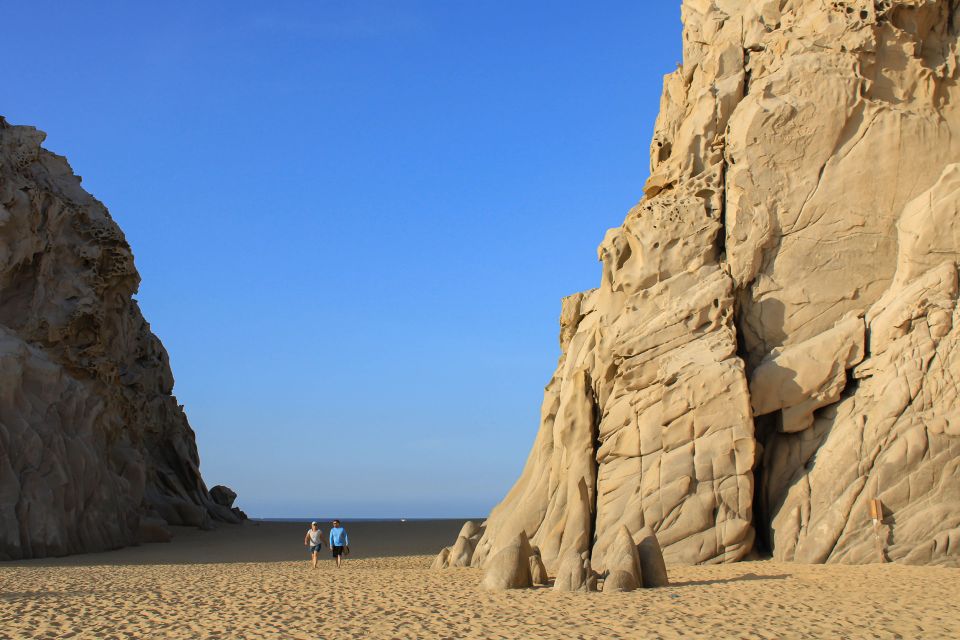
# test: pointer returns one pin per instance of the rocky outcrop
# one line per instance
(771, 345)
(225, 497)
(95, 452)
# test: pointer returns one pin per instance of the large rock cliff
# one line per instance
(95, 452)
(774, 341)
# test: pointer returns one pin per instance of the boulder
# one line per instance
(224, 496)
(461, 553)
(509, 568)
(617, 581)
(575, 573)
(653, 569)
(623, 564)
(470, 530)
(538, 572)
(442, 561)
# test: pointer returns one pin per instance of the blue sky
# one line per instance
(354, 221)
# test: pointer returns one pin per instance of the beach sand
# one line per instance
(253, 581)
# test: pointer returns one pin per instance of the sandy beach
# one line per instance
(253, 581)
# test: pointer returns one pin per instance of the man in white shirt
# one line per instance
(313, 540)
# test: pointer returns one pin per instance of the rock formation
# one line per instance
(510, 567)
(653, 568)
(538, 572)
(461, 553)
(575, 573)
(95, 452)
(623, 564)
(442, 561)
(772, 344)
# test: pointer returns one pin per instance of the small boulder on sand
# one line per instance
(575, 573)
(509, 568)
(538, 572)
(624, 564)
(652, 566)
(461, 553)
(442, 561)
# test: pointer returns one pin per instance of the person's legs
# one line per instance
(316, 557)
(339, 560)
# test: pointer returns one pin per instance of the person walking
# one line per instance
(314, 540)
(339, 542)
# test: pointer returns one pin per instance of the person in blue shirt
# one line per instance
(339, 542)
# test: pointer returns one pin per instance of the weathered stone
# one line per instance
(538, 572)
(442, 561)
(470, 530)
(623, 564)
(804, 377)
(652, 566)
(509, 568)
(224, 496)
(647, 418)
(575, 573)
(461, 553)
(94, 449)
(801, 214)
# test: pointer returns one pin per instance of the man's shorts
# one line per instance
(336, 551)
(315, 548)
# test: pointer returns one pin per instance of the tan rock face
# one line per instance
(647, 419)
(95, 452)
(799, 231)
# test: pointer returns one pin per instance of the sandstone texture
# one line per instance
(95, 452)
(773, 343)
(510, 568)
(653, 568)
(538, 572)
(623, 562)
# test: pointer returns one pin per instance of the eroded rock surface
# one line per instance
(623, 564)
(510, 567)
(95, 452)
(800, 231)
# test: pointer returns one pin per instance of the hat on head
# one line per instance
(314, 522)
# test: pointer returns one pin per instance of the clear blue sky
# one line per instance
(354, 221)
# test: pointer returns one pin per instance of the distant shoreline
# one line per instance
(262, 540)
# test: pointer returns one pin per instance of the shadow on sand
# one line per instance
(744, 577)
